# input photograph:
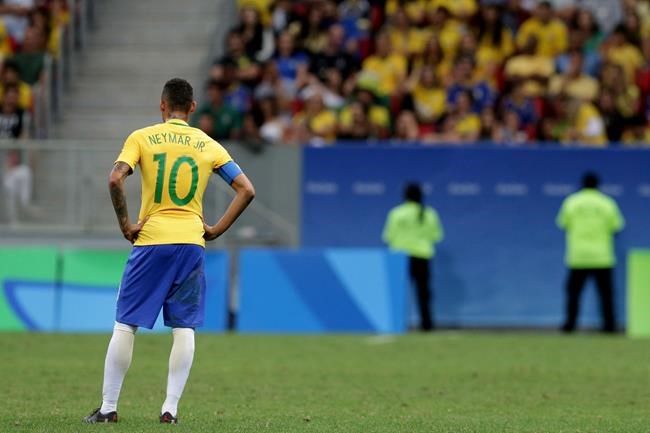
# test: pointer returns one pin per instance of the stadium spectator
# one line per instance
(406, 127)
(293, 65)
(333, 56)
(434, 57)
(523, 106)
(6, 49)
(313, 30)
(275, 127)
(248, 71)
(379, 116)
(215, 117)
(612, 117)
(446, 29)
(510, 132)
(273, 85)
(14, 14)
(332, 89)
(463, 81)
(619, 50)
(415, 9)
(258, 41)
(17, 182)
(574, 82)
(235, 93)
(315, 124)
(550, 32)
(359, 126)
(405, 38)
(14, 121)
(587, 31)
(11, 77)
(586, 126)
(280, 14)
(354, 17)
(590, 219)
(495, 41)
(489, 125)
(463, 125)
(415, 229)
(427, 97)
(31, 58)
(533, 69)
(385, 67)
(613, 79)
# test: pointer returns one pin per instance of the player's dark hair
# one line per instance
(178, 94)
(590, 180)
(413, 193)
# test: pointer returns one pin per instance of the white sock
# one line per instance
(118, 360)
(180, 363)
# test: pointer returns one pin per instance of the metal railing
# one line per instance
(69, 195)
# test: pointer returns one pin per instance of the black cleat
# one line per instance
(96, 416)
(167, 418)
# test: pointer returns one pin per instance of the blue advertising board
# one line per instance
(501, 263)
(322, 290)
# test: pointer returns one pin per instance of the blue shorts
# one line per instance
(170, 277)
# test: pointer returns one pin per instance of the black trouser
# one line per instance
(419, 273)
(574, 285)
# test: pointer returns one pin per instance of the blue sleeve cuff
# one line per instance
(229, 171)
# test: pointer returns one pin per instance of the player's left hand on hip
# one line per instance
(210, 232)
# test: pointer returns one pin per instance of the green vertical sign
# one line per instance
(638, 293)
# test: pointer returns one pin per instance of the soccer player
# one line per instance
(165, 268)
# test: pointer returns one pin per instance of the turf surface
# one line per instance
(445, 382)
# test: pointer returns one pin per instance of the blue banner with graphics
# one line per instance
(79, 292)
(322, 290)
(501, 263)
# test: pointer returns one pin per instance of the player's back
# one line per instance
(176, 162)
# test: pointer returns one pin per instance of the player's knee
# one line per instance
(186, 335)
(125, 328)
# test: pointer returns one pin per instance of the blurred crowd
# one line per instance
(514, 72)
(29, 30)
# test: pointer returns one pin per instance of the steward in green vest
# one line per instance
(414, 229)
(590, 220)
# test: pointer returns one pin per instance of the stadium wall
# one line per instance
(501, 263)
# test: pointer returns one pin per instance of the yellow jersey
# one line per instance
(176, 161)
(552, 37)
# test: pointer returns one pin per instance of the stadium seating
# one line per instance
(433, 71)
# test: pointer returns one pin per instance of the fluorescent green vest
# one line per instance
(590, 219)
(409, 231)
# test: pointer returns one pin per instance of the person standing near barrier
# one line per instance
(590, 219)
(414, 229)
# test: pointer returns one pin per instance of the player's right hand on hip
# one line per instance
(131, 231)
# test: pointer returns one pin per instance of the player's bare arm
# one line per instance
(116, 187)
(244, 195)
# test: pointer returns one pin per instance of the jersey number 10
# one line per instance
(161, 159)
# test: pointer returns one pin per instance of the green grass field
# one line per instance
(445, 382)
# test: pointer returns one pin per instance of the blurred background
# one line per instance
(497, 107)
